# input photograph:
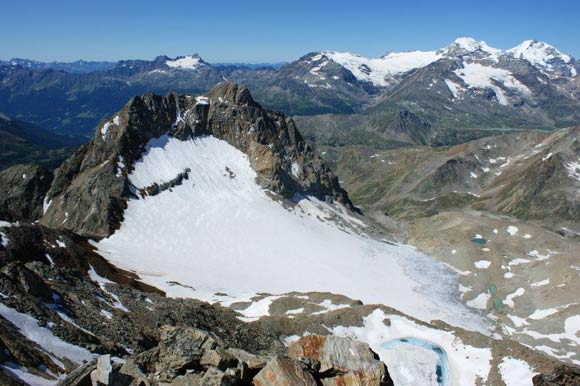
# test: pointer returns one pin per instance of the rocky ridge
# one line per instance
(95, 178)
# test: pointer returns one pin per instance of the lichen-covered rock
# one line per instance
(282, 371)
(342, 361)
(90, 189)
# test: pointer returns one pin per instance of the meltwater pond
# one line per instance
(413, 361)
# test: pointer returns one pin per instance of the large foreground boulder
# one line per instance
(284, 371)
(342, 361)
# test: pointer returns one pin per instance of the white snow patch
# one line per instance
(512, 230)
(258, 309)
(201, 100)
(295, 168)
(186, 62)
(517, 321)
(27, 377)
(574, 170)
(516, 372)
(541, 314)
(28, 326)
(509, 299)
(454, 88)
(329, 306)
(482, 264)
(46, 204)
(479, 302)
(476, 75)
(540, 283)
(538, 256)
(102, 282)
(376, 71)
(519, 261)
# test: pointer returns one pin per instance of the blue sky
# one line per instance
(270, 31)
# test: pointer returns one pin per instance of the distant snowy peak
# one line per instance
(544, 56)
(191, 62)
(383, 71)
(378, 70)
(469, 46)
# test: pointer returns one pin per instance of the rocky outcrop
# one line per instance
(561, 376)
(341, 361)
(191, 357)
(56, 278)
(284, 371)
(22, 191)
(90, 189)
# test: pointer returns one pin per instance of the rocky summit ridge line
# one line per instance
(89, 190)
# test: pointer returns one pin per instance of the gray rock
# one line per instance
(103, 374)
(219, 358)
(80, 376)
(181, 348)
(216, 377)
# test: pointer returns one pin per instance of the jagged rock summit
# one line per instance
(90, 189)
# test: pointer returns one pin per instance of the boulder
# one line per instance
(181, 348)
(216, 377)
(342, 361)
(103, 374)
(253, 362)
(219, 358)
(284, 371)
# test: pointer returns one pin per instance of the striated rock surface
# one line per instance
(89, 192)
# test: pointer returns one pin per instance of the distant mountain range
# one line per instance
(465, 85)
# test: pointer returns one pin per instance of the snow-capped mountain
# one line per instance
(379, 71)
(191, 62)
(551, 61)
(531, 85)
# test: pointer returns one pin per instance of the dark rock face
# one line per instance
(561, 376)
(22, 191)
(90, 189)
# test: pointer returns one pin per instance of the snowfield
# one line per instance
(221, 232)
(375, 70)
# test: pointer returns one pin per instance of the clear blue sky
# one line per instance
(270, 31)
